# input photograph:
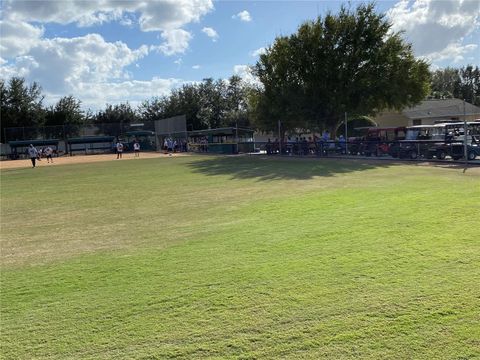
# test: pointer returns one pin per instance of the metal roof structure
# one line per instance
(436, 108)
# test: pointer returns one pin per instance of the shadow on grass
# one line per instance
(275, 168)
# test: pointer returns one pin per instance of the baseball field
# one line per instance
(245, 257)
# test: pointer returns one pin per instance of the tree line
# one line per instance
(207, 104)
(350, 62)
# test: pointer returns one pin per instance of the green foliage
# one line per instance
(348, 62)
(462, 83)
(209, 104)
(240, 258)
(115, 119)
(20, 104)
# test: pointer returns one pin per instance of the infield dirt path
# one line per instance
(64, 160)
(78, 159)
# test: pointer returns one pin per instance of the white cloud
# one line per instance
(435, 26)
(196, 67)
(166, 16)
(243, 16)
(154, 15)
(211, 33)
(245, 72)
(59, 64)
(258, 52)
(95, 95)
(171, 14)
(455, 52)
(176, 41)
(92, 69)
(17, 37)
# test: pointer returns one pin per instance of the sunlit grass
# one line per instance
(240, 257)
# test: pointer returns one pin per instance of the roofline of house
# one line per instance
(436, 116)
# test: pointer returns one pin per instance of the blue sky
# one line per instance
(132, 51)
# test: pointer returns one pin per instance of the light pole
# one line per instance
(346, 134)
(465, 133)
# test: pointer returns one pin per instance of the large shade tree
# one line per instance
(350, 62)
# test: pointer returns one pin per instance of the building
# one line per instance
(429, 112)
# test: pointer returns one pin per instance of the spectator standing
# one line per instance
(165, 145)
(32, 154)
(169, 146)
(342, 144)
(119, 147)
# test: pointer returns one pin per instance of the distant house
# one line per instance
(428, 112)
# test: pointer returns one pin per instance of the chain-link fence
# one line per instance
(65, 132)
(88, 138)
(403, 149)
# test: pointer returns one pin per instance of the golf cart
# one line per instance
(379, 141)
(416, 143)
(451, 138)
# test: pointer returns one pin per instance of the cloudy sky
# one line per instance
(115, 51)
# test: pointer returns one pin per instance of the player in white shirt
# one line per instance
(119, 150)
(32, 154)
(48, 154)
(136, 148)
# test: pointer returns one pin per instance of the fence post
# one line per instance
(279, 138)
(346, 134)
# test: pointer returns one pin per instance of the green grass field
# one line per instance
(241, 258)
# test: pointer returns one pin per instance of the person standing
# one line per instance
(169, 146)
(33, 154)
(119, 150)
(165, 145)
(136, 148)
(48, 154)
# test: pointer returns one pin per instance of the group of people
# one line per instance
(171, 145)
(35, 154)
(120, 148)
(305, 146)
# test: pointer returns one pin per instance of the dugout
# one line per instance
(19, 147)
(90, 144)
(228, 140)
(145, 138)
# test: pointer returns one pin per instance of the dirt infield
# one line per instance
(78, 159)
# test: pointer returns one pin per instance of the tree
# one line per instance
(349, 62)
(21, 106)
(154, 109)
(67, 111)
(463, 83)
(236, 106)
(470, 84)
(65, 118)
(281, 96)
(209, 104)
(445, 83)
(114, 120)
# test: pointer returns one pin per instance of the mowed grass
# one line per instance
(241, 258)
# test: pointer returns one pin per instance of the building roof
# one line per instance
(437, 108)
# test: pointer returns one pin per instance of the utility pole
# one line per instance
(465, 133)
(346, 134)
(279, 137)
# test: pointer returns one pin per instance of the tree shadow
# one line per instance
(264, 168)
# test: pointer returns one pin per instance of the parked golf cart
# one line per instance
(379, 141)
(453, 136)
(457, 149)
(415, 144)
